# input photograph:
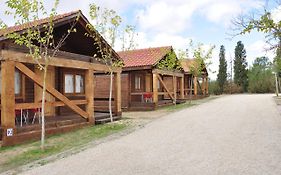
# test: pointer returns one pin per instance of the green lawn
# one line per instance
(12, 157)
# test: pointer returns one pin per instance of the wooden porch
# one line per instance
(150, 89)
(196, 87)
(64, 111)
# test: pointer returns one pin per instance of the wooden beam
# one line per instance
(203, 85)
(56, 61)
(195, 85)
(165, 72)
(165, 87)
(117, 98)
(89, 93)
(182, 87)
(51, 90)
(175, 88)
(155, 88)
(7, 96)
(19, 106)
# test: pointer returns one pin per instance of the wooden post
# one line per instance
(89, 93)
(182, 87)
(117, 99)
(8, 100)
(207, 85)
(155, 88)
(203, 85)
(195, 86)
(175, 89)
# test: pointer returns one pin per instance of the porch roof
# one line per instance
(84, 45)
(144, 57)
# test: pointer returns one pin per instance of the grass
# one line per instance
(12, 157)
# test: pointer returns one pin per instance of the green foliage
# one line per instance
(201, 58)
(261, 79)
(170, 62)
(128, 38)
(240, 66)
(214, 88)
(266, 24)
(222, 75)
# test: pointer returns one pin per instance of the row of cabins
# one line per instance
(78, 85)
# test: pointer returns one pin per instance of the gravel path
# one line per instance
(239, 134)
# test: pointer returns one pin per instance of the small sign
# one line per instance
(10, 132)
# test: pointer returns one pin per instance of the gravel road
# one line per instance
(239, 134)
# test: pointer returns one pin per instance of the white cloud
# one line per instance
(276, 14)
(164, 17)
(258, 48)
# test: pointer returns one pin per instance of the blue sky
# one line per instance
(174, 22)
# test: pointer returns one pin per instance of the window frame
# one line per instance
(139, 88)
(21, 93)
(74, 74)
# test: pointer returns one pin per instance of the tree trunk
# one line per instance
(43, 109)
(276, 85)
(110, 96)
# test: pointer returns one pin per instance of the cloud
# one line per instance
(276, 14)
(258, 48)
(164, 17)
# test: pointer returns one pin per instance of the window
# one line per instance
(68, 83)
(18, 84)
(73, 84)
(79, 84)
(137, 82)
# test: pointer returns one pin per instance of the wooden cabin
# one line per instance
(144, 85)
(70, 83)
(194, 87)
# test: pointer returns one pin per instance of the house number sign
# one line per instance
(9, 132)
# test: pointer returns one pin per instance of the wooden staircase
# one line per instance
(101, 118)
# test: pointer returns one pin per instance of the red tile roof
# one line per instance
(144, 57)
(43, 21)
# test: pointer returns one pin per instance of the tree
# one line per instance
(201, 58)
(106, 22)
(41, 43)
(222, 75)
(240, 66)
(128, 38)
(170, 62)
(266, 23)
(261, 79)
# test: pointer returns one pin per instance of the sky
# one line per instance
(175, 22)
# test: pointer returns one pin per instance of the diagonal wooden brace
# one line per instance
(165, 87)
(25, 70)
